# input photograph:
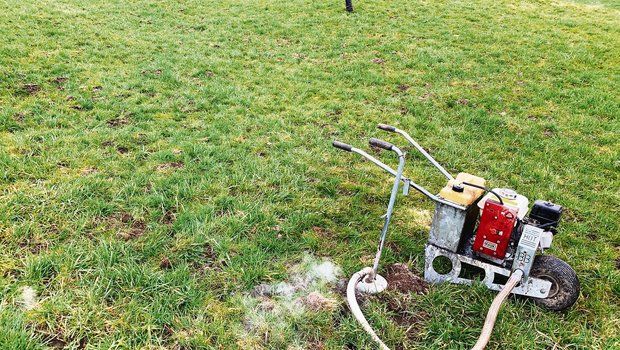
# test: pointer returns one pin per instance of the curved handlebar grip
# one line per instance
(342, 146)
(386, 127)
(381, 144)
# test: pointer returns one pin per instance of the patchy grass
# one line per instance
(162, 159)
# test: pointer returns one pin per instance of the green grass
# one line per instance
(159, 160)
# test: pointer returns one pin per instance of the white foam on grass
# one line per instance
(28, 298)
(273, 309)
(326, 271)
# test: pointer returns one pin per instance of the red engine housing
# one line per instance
(496, 224)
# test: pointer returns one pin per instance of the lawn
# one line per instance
(167, 179)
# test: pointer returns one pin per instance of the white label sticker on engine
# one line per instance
(530, 236)
(489, 245)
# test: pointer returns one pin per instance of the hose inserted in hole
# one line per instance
(489, 322)
(355, 308)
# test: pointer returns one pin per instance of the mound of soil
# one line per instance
(401, 279)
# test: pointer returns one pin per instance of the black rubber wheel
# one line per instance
(565, 284)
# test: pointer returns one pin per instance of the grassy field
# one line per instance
(162, 162)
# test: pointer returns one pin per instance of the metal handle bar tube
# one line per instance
(386, 168)
(390, 208)
(404, 178)
(416, 145)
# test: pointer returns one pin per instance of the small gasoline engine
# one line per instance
(484, 235)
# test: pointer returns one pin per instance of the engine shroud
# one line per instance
(496, 225)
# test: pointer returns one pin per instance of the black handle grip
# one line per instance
(386, 127)
(381, 144)
(342, 146)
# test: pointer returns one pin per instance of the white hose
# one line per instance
(489, 323)
(355, 308)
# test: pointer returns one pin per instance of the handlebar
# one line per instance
(418, 147)
(342, 146)
(386, 145)
(381, 144)
(386, 127)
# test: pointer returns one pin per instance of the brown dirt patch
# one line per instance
(171, 165)
(116, 122)
(88, 171)
(401, 279)
(165, 263)
(378, 61)
(426, 96)
(154, 72)
(19, 117)
(31, 88)
(126, 218)
(133, 228)
(321, 232)
(316, 345)
(168, 218)
(618, 263)
(59, 80)
(38, 247)
(122, 149)
(138, 228)
(403, 87)
(315, 301)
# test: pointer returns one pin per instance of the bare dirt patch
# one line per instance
(88, 171)
(129, 227)
(169, 218)
(117, 122)
(321, 232)
(171, 165)
(31, 88)
(138, 228)
(315, 301)
(59, 80)
(401, 279)
(19, 117)
(426, 96)
(165, 263)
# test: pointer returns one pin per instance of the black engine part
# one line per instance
(547, 214)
